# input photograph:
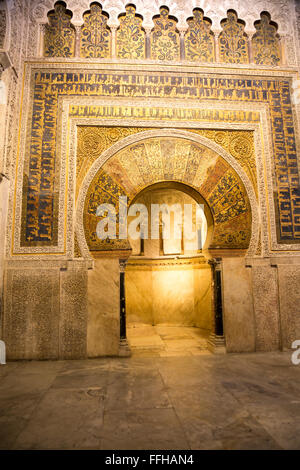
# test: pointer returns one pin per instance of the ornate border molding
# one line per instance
(68, 132)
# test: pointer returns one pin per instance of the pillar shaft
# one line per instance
(122, 300)
(216, 341)
(124, 348)
(219, 330)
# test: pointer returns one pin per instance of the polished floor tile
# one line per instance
(176, 401)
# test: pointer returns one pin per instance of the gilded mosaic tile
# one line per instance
(59, 40)
(130, 36)
(95, 38)
(165, 42)
(226, 194)
(233, 41)
(266, 48)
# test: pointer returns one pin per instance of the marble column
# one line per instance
(124, 349)
(216, 342)
(182, 46)
(113, 30)
(77, 41)
(148, 42)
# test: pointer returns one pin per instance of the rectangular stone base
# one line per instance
(216, 344)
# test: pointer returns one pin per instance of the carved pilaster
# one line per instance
(148, 42)
(41, 34)
(182, 48)
(217, 48)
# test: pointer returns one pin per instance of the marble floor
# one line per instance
(233, 401)
(166, 341)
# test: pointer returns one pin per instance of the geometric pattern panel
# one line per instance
(154, 160)
(233, 41)
(41, 174)
(199, 40)
(165, 41)
(266, 48)
(130, 35)
(59, 38)
(95, 38)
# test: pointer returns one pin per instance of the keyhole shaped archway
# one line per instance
(163, 156)
(158, 156)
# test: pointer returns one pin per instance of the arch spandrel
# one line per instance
(158, 159)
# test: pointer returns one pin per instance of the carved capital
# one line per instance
(215, 263)
(122, 264)
(2, 176)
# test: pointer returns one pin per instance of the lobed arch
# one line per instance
(181, 9)
(167, 135)
(162, 31)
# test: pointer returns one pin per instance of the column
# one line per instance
(148, 42)
(77, 41)
(182, 45)
(216, 342)
(124, 349)
(161, 237)
(250, 52)
(217, 47)
(113, 29)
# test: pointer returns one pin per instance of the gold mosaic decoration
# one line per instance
(240, 144)
(39, 218)
(199, 40)
(131, 36)
(94, 140)
(172, 159)
(233, 41)
(165, 41)
(59, 38)
(266, 42)
(95, 39)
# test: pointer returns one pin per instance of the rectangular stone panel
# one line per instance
(289, 299)
(237, 306)
(266, 308)
(73, 313)
(103, 331)
(31, 313)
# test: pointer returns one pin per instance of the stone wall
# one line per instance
(103, 332)
(45, 310)
(261, 303)
(179, 293)
(54, 303)
(238, 315)
(63, 311)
